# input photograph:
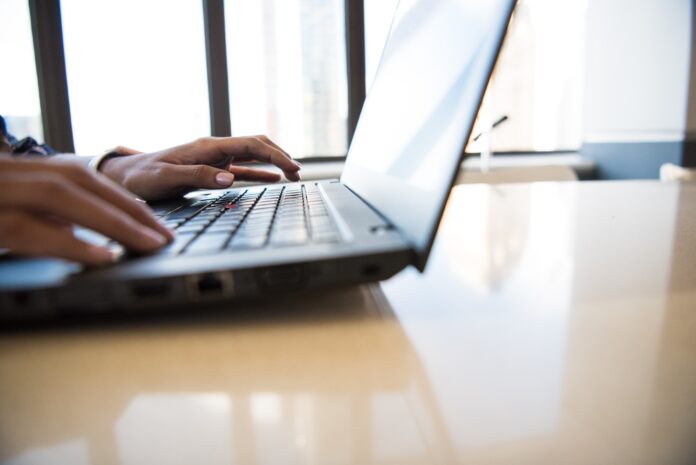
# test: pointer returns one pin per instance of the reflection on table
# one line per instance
(554, 324)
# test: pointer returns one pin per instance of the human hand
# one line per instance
(206, 163)
(41, 199)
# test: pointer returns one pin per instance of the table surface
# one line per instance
(555, 323)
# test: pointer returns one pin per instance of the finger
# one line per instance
(255, 148)
(242, 173)
(124, 151)
(121, 198)
(107, 190)
(198, 176)
(54, 195)
(25, 234)
(268, 140)
(59, 223)
(291, 176)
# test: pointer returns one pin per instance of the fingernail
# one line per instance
(224, 179)
(156, 238)
(170, 234)
(169, 230)
(102, 255)
(297, 163)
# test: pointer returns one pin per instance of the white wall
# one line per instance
(637, 70)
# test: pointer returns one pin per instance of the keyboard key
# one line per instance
(289, 237)
(231, 205)
(229, 218)
(280, 227)
(177, 245)
(173, 223)
(290, 224)
(253, 231)
(217, 228)
(258, 211)
(253, 216)
(291, 209)
(257, 222)
(231, 226)
(190, 228)
(231, 213)
(247, 242)
(185, 212)
(207, 242)
(204, 221)
(205, 216)
(277, 216)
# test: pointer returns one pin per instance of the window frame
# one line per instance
(46, 25)
(49, 53)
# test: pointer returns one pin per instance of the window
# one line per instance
(287, 73)
(378, 18)
(537, 80)
(19, 92)
(136, 73)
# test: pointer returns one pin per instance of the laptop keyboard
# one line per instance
(277, 216)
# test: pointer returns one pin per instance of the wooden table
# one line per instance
(556, 323)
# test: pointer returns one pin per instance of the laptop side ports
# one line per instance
(211, 286)
(151, 289)
(282, 278)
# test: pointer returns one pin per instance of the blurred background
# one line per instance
(571, 73)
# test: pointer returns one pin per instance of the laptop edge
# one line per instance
(380, 244)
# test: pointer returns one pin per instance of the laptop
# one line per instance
(378, 218)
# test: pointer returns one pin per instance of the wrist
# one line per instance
(112, 168)
(97, 163)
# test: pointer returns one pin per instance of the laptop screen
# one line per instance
(420, 110)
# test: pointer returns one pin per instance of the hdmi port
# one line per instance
(151, 289)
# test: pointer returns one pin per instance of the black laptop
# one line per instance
(380, 217)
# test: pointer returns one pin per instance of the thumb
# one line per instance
(201, 177)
